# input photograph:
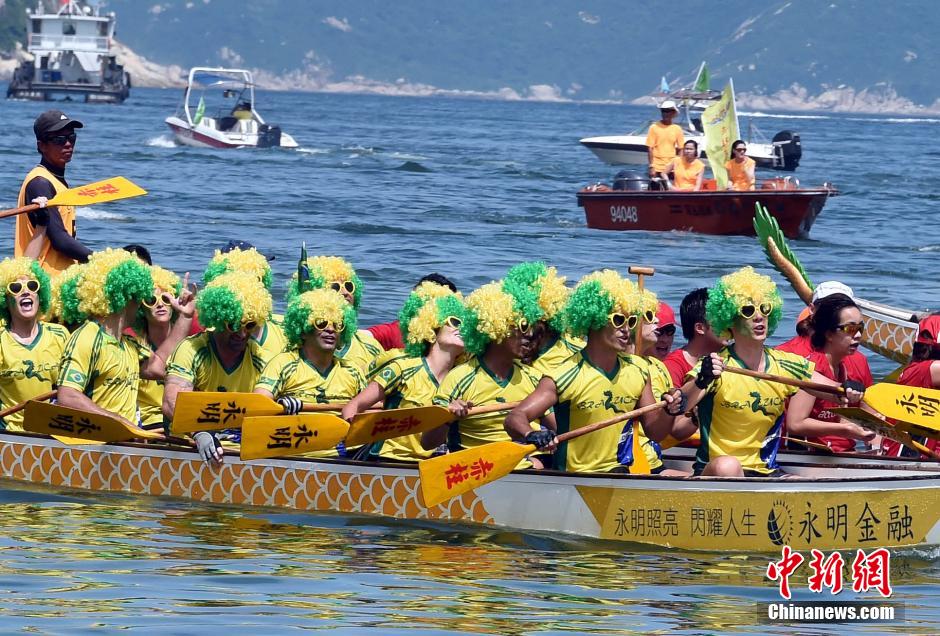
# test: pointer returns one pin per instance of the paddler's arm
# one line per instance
(365, 399)
(799, 421)
(154, 367)
(697, 387)
(171, 390)
(657, 424)
(853, 390)
(74, 399)
(50, 219)
(534, 407)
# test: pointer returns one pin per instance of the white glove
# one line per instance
(41, 201)
(208, 446)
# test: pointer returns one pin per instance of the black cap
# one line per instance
(53, 121)
(243, 246)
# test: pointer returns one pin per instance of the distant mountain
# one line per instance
(842, 54)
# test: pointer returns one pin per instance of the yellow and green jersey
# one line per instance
(742, 416)
(272, 338)
(586, 394)
(555, 353)
(104, 368)
(406, 382)
(361, 351)
(474, 382)
(28, 370)
(384, 359)
(150, 392)
(196, 361)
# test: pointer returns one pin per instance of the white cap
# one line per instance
(830, 287)
(668, 105)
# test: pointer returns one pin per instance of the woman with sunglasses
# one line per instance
(741, 417)
(164, 319)
(317, 323)
(597, 383)
(740, 168)
(430, 323)
(30, 349)
(837, 332)
(493, 331)
(332, 272)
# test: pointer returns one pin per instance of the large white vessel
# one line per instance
(71, 49)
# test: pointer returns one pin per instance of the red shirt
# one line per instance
(388, 335)
(853, 367)
(914, 374)
(799, 345)
(678, 366)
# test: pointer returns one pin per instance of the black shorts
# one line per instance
(625, 470)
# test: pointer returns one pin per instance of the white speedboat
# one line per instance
(224, 116)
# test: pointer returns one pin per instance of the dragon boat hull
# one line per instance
(862, 503)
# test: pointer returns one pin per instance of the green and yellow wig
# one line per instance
(547, 285)
(305, 310)
(66, 280)
(249, 261)
(596, 297)
(105, 285)
(233, 299)
(12, 269)
(163, 279)
(493, 314)
(424, 313)
(740, 288)
(325, 270)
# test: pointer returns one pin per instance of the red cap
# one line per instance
(928, 330)
(665, 315)
(806, 313)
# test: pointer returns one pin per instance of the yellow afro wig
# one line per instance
(249, 261)
(67, 279)
(165, 280)
(735, 290)
(233, 299)
(643, 301)
(425, 311)
(12, 269)
(598, 295)
(324, 270)
(546, 284)
(320, 304)
(107, 283)
(493, 314)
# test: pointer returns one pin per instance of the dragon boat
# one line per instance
(842, 502)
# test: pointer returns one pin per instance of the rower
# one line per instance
(335, 273)
(317, 323)
(700, 338)
(48, 234)
(224, 357)
(664, 139)
(101, 366)
(30, 349)
(389, 334)
(496, 324)
(596, 383)
(665, 331)
(431, 320)
(740, 168)
(740, 417)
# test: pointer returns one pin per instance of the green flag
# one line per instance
(303, 271)
(200, 111)
(701, 82)
(721, 129)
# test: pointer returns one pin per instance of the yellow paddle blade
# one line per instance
(74, 441)
(916, 409)
(671, 441)
(52, 419)
(216, 411)
(280, 435)
(640, 464)
(98, 192)
(374, 427)
(452, 475)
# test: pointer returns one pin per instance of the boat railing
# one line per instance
(39, 42)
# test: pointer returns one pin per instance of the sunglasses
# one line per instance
(61, 140)
(648, 316)
(453, 322)
(16, 287)
(247, 326)
(348, 285)
(323, 325)
(524, 327)
(153, 301)
(851, 328)
(740, 149)
(747, 311)
(668, 330)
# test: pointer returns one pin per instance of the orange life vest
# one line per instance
(51, 260)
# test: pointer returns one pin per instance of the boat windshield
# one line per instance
(220, 98)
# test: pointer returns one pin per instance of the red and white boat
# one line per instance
(630, 205)
(231, 122)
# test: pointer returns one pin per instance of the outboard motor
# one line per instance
(631, 181)
(787, 150)
(269, 136)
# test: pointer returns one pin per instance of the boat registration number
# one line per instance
(623, 213)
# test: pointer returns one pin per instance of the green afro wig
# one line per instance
(105, 285)
(325, 270)
(235, 298)
(494, 314)
(65, 296)
(305, 310)
(249, 261)
(424, 314)
(731, 292)
(12, 269)
(548, 287)
(596, 296)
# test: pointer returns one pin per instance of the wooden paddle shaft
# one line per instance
(22, 210)
(640, 271)
(803, 384)
(312, 407)
(16, 408)
(564, 437)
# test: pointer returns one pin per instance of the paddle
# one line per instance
(639, 272)
(16, 408)
(111, 189)
(53, 419)
(280, 435)
(803, 384)
(808, 444)
(872, 422)
(451, 475)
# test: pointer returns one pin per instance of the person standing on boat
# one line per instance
(48, 234)
(664, 139)
(496, 324)
(224, 357)
(30, 349)
(431, 319)
(740, 417)
(596, 383)
(687, 168)
(316, 323)
(740, 168)
(837, 329)
(700, 338)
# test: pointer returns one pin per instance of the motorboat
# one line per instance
(224, 114)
